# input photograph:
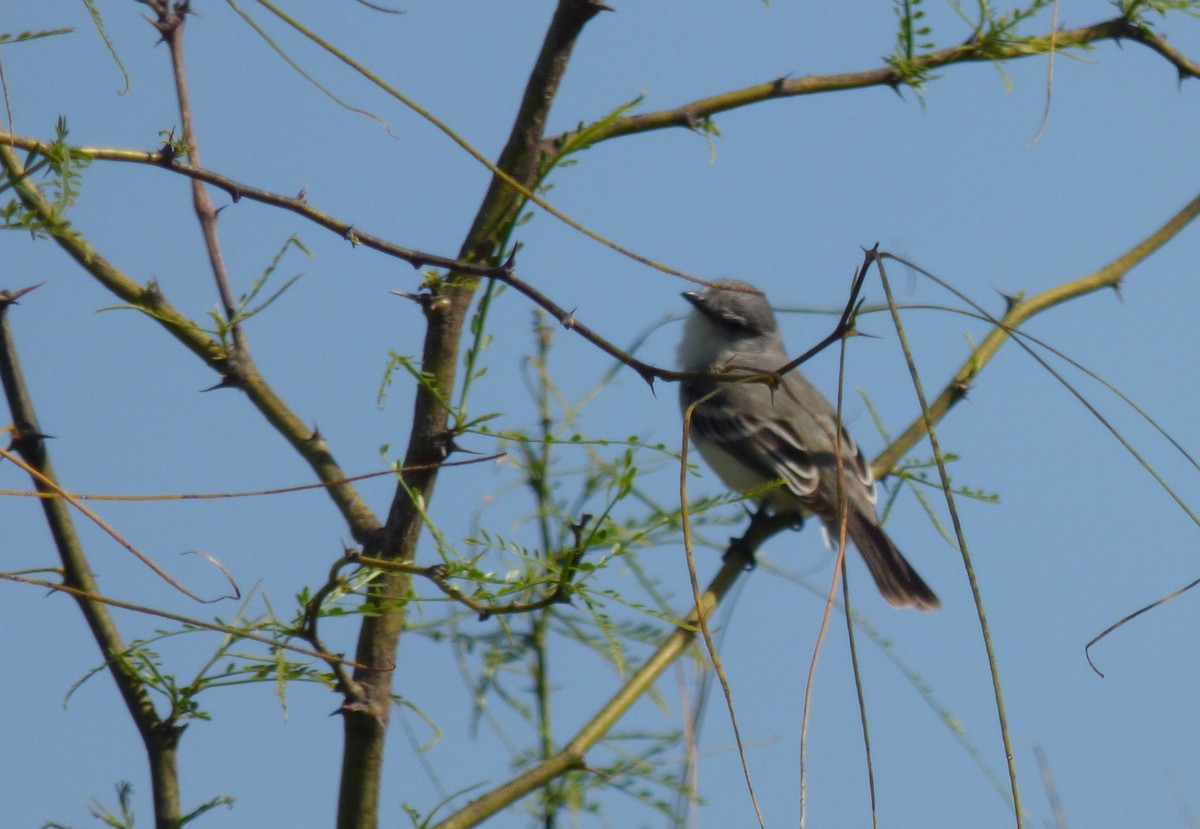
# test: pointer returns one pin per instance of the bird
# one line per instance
(777, 443)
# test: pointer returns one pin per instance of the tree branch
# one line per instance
(169, 23)
(1019, 311)
(151, 301)
(689, 115)
(160, 737)
(429, 440)
(166, 158)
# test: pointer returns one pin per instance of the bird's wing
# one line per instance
(788, 434)
(815, 420)
(759, 439)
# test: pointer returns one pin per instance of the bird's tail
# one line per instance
(895, 577)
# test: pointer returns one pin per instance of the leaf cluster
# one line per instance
(60, 166)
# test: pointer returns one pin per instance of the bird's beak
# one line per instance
(693, 297)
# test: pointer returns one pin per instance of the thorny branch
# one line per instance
(974, 50)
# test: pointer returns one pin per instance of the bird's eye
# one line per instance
(734, 320)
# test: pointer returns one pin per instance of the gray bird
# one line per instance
(753, 436)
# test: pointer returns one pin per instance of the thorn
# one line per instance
(10, 297)
(429, 302)
(1118, 287)
(648, 375)
(303, 194)
(27, 438)
(454, 447)
(351, 708)
(569, 320)
(226, 382)
(1010, 300)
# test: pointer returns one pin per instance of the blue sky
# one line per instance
(785, 198)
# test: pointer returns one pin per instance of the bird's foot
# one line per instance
(739, 549)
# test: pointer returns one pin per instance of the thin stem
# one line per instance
(858, 690)
(701, 612)
(520, 179)
(190, 621)
(170, 25)
(846, 607)
(540, 622)
(961, 538)
(839, 567)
